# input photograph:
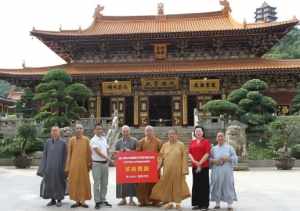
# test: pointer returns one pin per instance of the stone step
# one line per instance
(184, 133)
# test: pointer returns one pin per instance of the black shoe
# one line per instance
(51, 203)
(106, 204)
(195, 208)
(97, 206)
(58, 204)
(75, 205)
(84, 205)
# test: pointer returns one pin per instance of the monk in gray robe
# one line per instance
(223, 159)
(125, 144)
(52, 167)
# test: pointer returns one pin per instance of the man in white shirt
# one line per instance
(100, 162)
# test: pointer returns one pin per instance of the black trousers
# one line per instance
(200, 190)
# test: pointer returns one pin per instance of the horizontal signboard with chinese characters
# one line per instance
(116, 88)
(160, 83)
(205, 86)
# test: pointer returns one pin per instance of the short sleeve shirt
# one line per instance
(101, 144)
(198, 150)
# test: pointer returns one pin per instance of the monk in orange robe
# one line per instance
(147, 144)
(172, 187)
(78, 166)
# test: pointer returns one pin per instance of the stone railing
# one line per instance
(8, 126)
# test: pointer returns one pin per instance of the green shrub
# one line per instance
(26, 141)
(296, 151)
(257, 152)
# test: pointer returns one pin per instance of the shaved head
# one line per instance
(55, 132)
(149, 131)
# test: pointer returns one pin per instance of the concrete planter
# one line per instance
(23, 161)
(285, 163)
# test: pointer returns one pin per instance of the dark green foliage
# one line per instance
(296, 151)
(295, 109)
(62, 101)
(255, 109)
(288, 47)
(284, 133)
(248, 105)
(255, 85)
(27, 106)
(220, 107)
(236, 95)
(25, 140)
(4, 88)
(258, 152)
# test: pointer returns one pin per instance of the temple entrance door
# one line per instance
(129, 108)
(192, 104)
(105, 107)
(160, 110)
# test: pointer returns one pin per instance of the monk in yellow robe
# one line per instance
(78, 166)
(147, 144)
(172, 187)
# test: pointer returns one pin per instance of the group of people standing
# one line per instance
(68, 165)
(221, 159)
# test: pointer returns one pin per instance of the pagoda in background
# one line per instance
(265, 13)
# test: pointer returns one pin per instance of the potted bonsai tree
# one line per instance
(26, 138)
(284, 131)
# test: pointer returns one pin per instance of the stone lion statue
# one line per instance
(67, 132)
(236, 137)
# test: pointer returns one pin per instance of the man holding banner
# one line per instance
(149, 143)
(126, 144)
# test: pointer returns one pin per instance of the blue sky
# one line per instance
(17, 18)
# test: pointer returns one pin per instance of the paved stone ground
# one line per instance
(258, 189)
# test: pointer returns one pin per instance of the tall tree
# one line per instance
(295, 109)
(61, 100)
(247, 104)
(255, 109)
(26, 105)
(4, 88)
(288, 47)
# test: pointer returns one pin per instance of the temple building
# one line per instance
(156, 69)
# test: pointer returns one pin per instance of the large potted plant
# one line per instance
(25, 139)
(284, 131)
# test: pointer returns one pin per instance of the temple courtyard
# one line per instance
(260, 189)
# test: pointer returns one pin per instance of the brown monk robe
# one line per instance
(78, 166)
(148, 144)
(172, 187)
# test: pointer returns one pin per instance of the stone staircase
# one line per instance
(184, 133)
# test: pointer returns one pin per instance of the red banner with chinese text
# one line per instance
(136, 167)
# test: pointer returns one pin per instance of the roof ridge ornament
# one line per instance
(245, 23)
(24, 64)
(98, 11)
(160, 9)
(226, 5)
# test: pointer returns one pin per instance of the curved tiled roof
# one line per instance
(194, 22)
(205, 66)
